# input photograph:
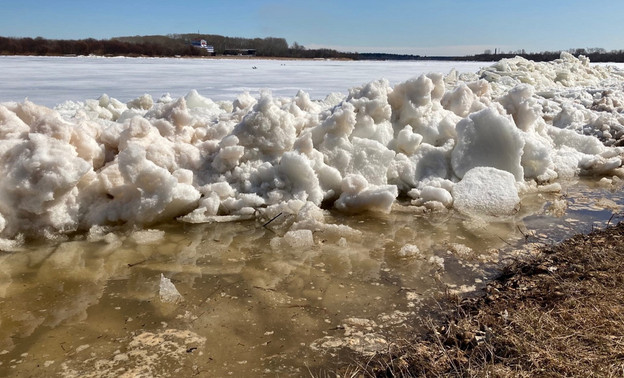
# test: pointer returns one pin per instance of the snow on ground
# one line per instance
(470, 141)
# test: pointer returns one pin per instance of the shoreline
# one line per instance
(249, 57)
(558, 313)
(219, 57)
(266, 58)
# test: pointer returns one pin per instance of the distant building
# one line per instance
(248, 52)
(202, 44)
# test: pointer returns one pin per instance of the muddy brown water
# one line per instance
(253, 306)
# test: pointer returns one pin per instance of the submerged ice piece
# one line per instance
(168, 292)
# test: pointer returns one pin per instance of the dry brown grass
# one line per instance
(560, 314)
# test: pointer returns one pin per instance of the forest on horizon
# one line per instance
(180, 45)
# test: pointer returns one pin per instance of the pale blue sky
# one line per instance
(441, 27)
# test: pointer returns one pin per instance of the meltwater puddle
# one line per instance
(244, 299)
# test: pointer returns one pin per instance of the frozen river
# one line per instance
(301, 279)
(52, 80)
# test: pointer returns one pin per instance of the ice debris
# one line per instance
(445, 141)
(168, 293)
(409, 250)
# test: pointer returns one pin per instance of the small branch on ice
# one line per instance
(526, 236)
(505, 241)
(263, 288)
(136, 263)
(272, 219)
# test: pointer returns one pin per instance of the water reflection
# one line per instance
(256, 300)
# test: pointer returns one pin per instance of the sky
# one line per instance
(440, 27)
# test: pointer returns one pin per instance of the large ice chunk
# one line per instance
(486, 191)
(357, 195)
(488, 139)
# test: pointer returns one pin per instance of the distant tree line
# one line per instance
(162, 46)
(180, 45)
(595, 54)
(386, 56)
(264, 47)
(42, 46)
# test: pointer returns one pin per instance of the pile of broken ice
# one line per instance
(474, 143)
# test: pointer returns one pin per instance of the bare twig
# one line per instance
(136, 263)
(272, 219)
